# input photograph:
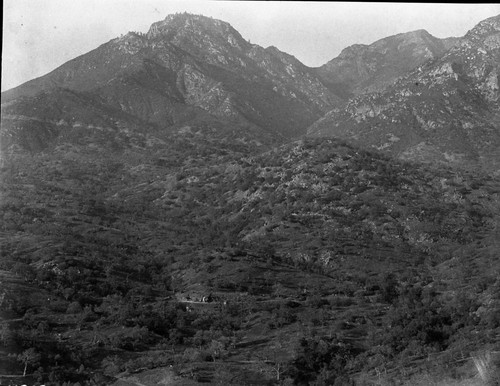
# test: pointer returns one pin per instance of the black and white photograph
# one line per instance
(253, 193)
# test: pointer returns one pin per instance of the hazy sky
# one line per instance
(40, 35)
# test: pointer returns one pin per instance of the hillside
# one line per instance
(163, 219)
(316, 244)
(445, 111)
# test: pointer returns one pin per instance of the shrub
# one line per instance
(74, 308)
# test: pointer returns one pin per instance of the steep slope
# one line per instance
(365, 68)
(447, 110)
(185, 65)
(316, 241)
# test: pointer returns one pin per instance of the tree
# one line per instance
(74, 308)
(321, 357)
(6, 334)
(389, 287)
(24, 270)
(273, 360)
(29, 357)
(217, 349)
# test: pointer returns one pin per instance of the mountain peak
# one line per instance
(417, 37)
(361, 68)
(445, 110)
(188, 67)
(201, 36)
(418, 32)
(486, 27)
(184, 23)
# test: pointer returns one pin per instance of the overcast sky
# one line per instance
(40, 35)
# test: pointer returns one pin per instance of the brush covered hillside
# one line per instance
(304, 255)
(447, 110)
(159, 226)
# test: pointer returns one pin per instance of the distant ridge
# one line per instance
(446, 110)
(364, 68)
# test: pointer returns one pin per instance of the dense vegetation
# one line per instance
(307, 253)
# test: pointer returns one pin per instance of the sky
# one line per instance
(40, 35)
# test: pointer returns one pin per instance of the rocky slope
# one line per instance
(185, 67)
(364, 68)
(446, 110)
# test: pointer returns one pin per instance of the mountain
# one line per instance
(183, 68)
(364, 68)
(446, 110)
(154, 228)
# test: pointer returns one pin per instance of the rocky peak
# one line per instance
(418, 44)
(444, 110)
(477, 58)
(178, 27)
(211, 40)
(184, 69)
(485, 28)
(364, 68)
